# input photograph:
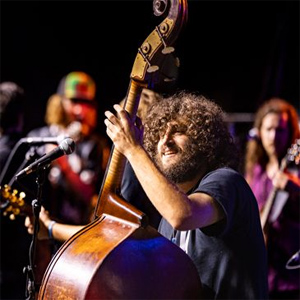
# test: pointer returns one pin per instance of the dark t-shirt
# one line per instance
(132, 192)
(230, 256)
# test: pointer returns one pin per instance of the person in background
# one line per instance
(130, 186)
(74, 179)
(186, 166)
(12, 101)
(276, 128)
(14, 240)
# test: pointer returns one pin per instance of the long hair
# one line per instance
(255, 153)
(55, 113)
(203, 122)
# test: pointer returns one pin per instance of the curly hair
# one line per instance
(202, 121)
(255, 152)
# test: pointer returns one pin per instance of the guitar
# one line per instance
(292, 157)
(12, 205)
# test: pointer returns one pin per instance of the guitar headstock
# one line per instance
(293, 153)
(12, 202)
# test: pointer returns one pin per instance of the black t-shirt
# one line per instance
(132, 191)
(230, 256)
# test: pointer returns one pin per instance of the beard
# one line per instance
(185, 168)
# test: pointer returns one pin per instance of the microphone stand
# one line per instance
(30, 156)
(31, 287)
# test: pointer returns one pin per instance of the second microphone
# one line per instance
(65, 147)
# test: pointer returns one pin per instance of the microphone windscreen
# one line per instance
(67, 145)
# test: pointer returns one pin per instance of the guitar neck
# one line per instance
(292, 153)
(267, 208)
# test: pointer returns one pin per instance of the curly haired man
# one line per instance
(186, 165)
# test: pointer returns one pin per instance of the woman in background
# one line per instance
(268, 170)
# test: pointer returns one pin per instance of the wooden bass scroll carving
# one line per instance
(118, 255)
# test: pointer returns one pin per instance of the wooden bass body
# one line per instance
(112, 258)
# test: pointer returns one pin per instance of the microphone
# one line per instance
(67, 146)
(42, 140)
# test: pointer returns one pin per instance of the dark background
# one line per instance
(237, 52)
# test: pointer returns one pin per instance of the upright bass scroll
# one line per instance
(159, 43)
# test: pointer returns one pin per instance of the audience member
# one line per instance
(276, 128)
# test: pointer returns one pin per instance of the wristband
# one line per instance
(50, 227)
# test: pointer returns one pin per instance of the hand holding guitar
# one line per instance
(13, 204)
(44, 224)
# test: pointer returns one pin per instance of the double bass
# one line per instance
(119, 255)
